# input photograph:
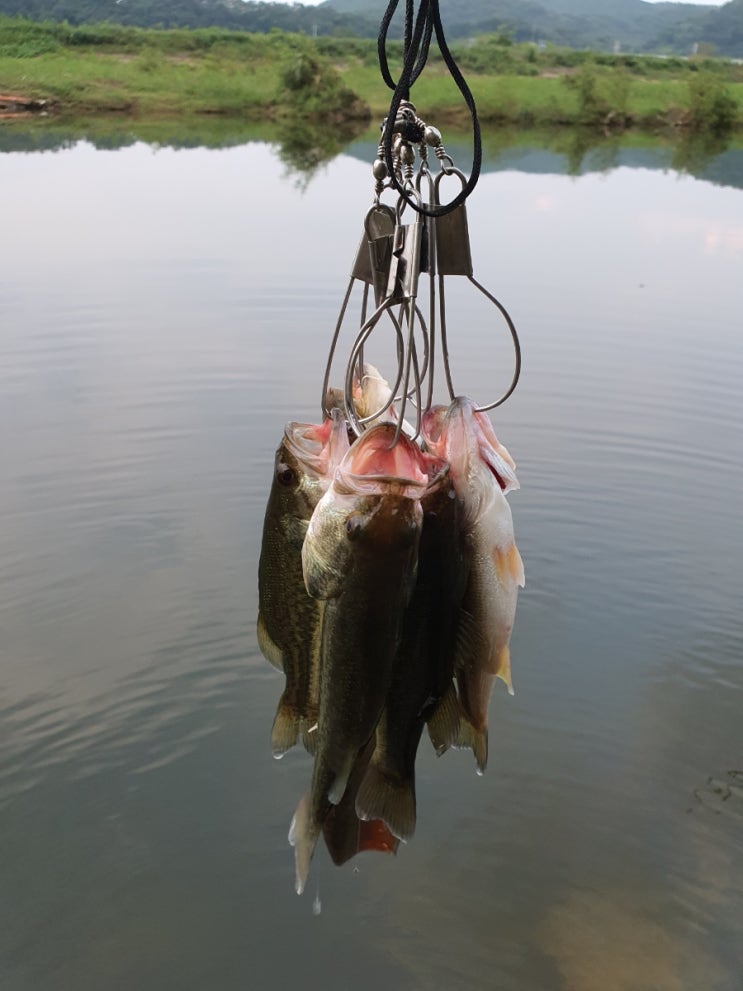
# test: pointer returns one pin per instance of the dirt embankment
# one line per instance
(15, 105)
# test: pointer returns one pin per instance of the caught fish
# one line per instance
(372, 399)
(289, 621)
(360, 557)
(424, 666)
(482, 471)
(372, 395)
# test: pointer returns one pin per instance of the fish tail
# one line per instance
(348, 836)
(443, 723)
(303, 834)
(284, 731)
(476, 739)
(375, 835)
(379, 797)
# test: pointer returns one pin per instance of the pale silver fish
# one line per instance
(482, 471)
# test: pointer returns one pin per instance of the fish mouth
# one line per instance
(380, 461)
(453, 427)
(317, 446)
(432, 425)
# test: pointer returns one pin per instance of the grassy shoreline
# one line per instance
(107, 69)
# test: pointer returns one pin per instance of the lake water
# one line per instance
(163, 312)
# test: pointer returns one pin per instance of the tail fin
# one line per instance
(284, 731)
(443, 723)
(303, 834)
(374, 835)
(345, 835)
(393, 802)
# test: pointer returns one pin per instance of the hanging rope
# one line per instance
(415, 55)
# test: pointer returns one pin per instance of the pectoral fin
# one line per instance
(508, 565)
(443, 723)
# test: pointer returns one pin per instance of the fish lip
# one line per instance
(348, 483)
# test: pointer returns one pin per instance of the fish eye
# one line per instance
(285, 475)
(354, 526)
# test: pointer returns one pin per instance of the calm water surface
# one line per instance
(162, 314)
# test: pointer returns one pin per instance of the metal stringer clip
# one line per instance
(390, 259)
(453, 257)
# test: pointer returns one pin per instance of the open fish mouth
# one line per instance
(380, 461)
(315, 445)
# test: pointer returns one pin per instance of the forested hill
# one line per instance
(631, 25)
(231, 14)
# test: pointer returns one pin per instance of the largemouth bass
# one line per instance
(424, 667)
(359, 556)
(289, 621)
(482, 471)
(373, 399)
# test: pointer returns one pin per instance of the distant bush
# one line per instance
(711, 106)
(600, 96)
(314, 90)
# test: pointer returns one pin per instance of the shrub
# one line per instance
(711, 106)
(313, 89)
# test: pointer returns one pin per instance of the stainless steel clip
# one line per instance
(372, 263)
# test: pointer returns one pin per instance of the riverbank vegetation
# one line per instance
(108, 68)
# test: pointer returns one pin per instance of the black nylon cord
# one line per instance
(416, 49)
(422, 44)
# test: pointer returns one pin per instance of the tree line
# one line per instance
(669, 28)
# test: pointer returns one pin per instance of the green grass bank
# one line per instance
(102, 69)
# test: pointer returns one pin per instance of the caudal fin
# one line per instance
(375, 836)
(303, 834)
(393, 802)
(346, 835)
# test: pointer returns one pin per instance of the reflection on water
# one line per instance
(153, 341)
(305, 148)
